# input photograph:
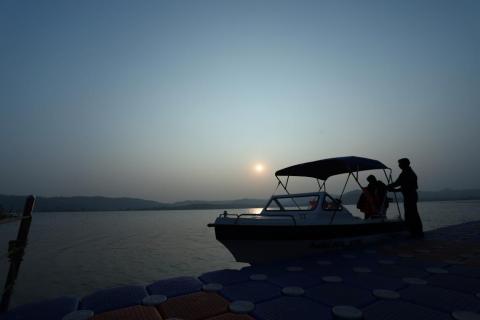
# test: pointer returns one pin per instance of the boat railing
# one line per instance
(270, 215)
(238, 216)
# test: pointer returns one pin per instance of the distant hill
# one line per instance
(449, 194)
(229, 204)
(58, 204)
(15, 203)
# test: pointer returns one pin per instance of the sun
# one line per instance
(259, 168)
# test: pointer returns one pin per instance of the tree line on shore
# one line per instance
(14, 203)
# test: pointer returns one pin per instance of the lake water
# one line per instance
(78, 253)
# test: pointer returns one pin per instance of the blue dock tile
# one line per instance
(374, 281)
(346, 270)
(115, 298)
(295, 279)
(421, 264)
(288, 308)
(324, 270)
(254, 291)
(53, 309)
(337, 258)
(440, 299)
(225, 276)
(264, 269)
(399, 271)
(454, 282)
(309, 260)
(344, 259)
(364, 263)
(340, 294)
(330, 270)
(464, 271)
(175, 286)
(278, 268)
(401, 310)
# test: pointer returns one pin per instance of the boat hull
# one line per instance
(304, 232)
(261, 244)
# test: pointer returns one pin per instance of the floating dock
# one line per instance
(433, 278)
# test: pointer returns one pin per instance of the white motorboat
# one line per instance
(292, 225)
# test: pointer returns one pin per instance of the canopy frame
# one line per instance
(344, 165)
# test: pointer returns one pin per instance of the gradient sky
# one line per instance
(176, 100)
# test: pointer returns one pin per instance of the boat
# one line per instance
(295, 225)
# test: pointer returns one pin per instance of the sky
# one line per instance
(176, 100)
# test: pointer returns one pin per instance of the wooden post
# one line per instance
(16, 249)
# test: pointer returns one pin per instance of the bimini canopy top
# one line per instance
(322, 169)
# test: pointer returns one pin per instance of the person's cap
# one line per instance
(404, 161)
(371, 178)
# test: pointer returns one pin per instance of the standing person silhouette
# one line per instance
(407, 181)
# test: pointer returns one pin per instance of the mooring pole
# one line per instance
(16, 249)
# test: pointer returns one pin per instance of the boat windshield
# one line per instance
(330, 203)
(293, 203)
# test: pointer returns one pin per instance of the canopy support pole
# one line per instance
(356, 179)
(284, 186)
(344, 186)
(341, 195)
(276, 188)
(390, 181)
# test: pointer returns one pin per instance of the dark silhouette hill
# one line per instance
(10, 203)
(14, 203)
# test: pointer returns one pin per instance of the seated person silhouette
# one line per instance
(373, 200)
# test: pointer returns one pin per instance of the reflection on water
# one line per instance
(77, 253)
